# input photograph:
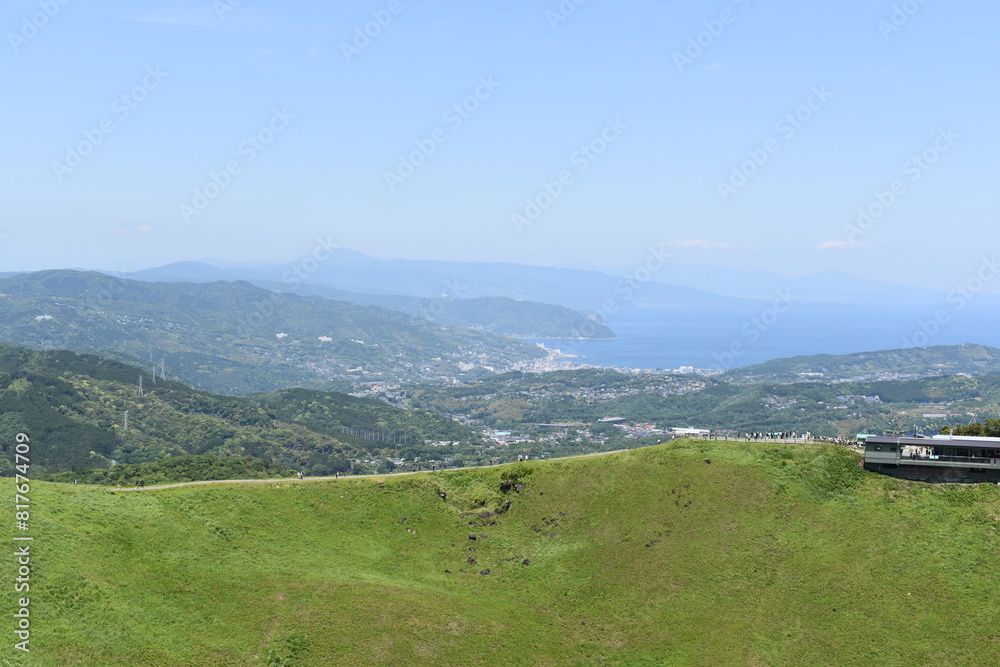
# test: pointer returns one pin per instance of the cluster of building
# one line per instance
(852, 398)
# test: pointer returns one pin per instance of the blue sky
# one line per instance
(754, 149)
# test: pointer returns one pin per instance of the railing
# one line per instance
(952, 459)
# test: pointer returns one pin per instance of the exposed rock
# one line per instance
(472, 536)
(470, 560)
(526, 561)
(708, 460)
(485, 515)
(485, 573)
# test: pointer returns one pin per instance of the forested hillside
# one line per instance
(237, 338)
(500, 315)
(74, 408)
(907, 363)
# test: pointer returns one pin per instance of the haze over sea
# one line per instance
(702, 337)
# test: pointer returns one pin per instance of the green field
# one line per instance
(767, 555)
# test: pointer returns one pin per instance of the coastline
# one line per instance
(566, 338)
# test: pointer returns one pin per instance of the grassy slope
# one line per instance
(768, 555)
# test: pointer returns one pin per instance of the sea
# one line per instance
(722, 338)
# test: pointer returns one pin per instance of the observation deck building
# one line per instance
(941, 458)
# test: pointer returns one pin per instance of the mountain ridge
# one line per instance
(237, 337)
(588, 290)
(906, 363)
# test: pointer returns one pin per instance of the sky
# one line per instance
(790, 136)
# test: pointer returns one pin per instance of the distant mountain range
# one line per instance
(451, 281)
(238, 338)
(357, 277)
(903, 364)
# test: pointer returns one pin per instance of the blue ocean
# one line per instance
(721, 338)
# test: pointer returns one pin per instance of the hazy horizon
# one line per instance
(779, 137)
(609, 270)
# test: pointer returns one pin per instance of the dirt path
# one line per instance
(335, 478)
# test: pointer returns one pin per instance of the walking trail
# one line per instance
(335, 478)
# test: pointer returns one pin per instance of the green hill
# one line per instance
(237, 338)
(690, 554)
(500, 315)
(76, 405)
(903, 364)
